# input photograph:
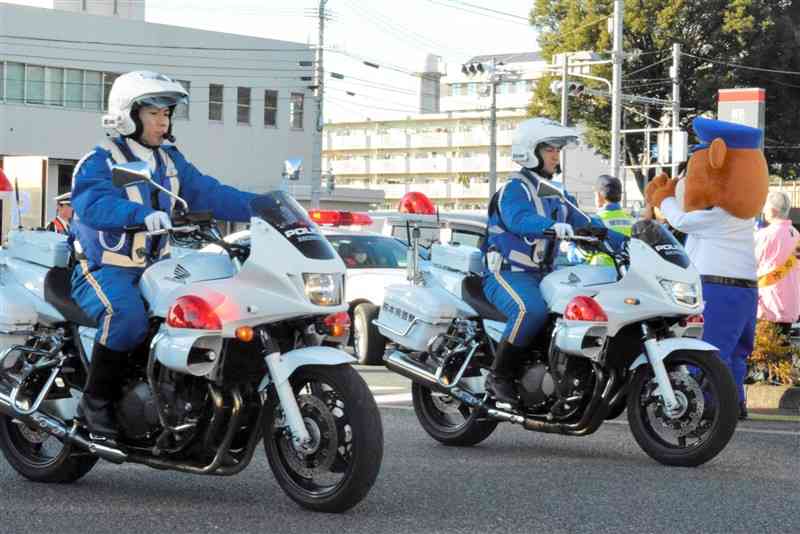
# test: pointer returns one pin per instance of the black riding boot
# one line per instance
(96, 408)
(500, 383)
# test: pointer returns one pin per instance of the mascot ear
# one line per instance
(717, 153)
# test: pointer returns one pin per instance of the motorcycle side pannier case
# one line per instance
(412, 316)
(48, 249)
(461, 258)
(17, 316)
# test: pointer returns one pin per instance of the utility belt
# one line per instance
(727, 281)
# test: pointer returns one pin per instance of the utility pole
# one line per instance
(616, 82)
(676, 104)
(493, 130)
(564, 116)
(316, 157)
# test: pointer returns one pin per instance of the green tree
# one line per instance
(715, 35)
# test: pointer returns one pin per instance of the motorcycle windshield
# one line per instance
(662, 241)
(283, 213)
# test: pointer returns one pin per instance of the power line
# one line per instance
(740, 66)
(647, 67)
(481, 11)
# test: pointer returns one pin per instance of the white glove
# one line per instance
(157, 220)
(563, 230)
(494, 261)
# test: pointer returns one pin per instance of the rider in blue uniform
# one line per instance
(517, 247)
(110, 260)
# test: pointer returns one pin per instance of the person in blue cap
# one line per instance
(725, 187)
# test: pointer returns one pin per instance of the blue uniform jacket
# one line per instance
(516, 227)
(103, 210)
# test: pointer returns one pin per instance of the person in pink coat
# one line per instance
(778, 265)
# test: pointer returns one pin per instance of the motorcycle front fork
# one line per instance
(672, 407)
(301, 439)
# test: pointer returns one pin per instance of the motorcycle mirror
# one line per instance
(547, 189)
(134, 172)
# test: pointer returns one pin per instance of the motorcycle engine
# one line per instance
(137, 412)
(536, 385)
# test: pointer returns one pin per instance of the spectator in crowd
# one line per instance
(63, 214)
(778, 269)
(607, 196)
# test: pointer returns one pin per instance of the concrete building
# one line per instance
(446, 155)
(249, 110)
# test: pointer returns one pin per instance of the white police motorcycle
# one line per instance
(617, 337)
(226, 361)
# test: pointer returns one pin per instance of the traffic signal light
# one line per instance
(573, 88)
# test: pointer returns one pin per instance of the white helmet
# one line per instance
(532, 132)
(144, 88)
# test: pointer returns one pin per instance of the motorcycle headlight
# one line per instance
(324, 289)
(681, 292)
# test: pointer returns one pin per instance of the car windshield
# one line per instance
(284, 214)
(370, 252)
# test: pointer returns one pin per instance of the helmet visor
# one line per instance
(163, 100)
(560, 142)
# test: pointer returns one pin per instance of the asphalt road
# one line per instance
(516, 481)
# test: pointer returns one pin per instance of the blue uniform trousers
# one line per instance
(517, 295)
(111, 296)
(730, 325)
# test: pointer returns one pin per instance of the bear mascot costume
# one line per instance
(725, 187)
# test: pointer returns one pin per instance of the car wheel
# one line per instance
(368, 343)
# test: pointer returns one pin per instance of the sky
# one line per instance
(389, 33)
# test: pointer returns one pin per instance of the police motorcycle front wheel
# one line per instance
(340, 465)
(707, 414)
(448, 420)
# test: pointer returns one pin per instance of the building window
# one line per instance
(270, 108)
(73, 88)
(182, 109)
(243, 105)
(15, 82)
(215, 102)
(54, 86)
(108, 81)
(296, 110)
(93, 90)
(34, 85)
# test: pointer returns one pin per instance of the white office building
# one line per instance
(249, 111)
(445, 154)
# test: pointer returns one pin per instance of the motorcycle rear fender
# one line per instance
(674, 344)
(290, 361)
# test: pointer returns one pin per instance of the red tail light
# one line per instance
(190, 311)
(337, 324)
(692, 319)
(585, 309)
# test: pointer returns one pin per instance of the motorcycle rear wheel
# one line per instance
(41, 457)
(342, 417)
(448, 420)
(706, 386)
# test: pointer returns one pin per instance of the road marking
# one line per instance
(389, 399)
(388, 388)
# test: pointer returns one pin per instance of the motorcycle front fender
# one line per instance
(665, 347)
(282, 367)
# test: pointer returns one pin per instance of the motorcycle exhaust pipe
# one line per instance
(401, 364)
(58, 428)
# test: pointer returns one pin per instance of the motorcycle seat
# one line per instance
(57, 291)
(472, 293)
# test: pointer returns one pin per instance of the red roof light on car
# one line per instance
(416, 202)
(339, 218)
